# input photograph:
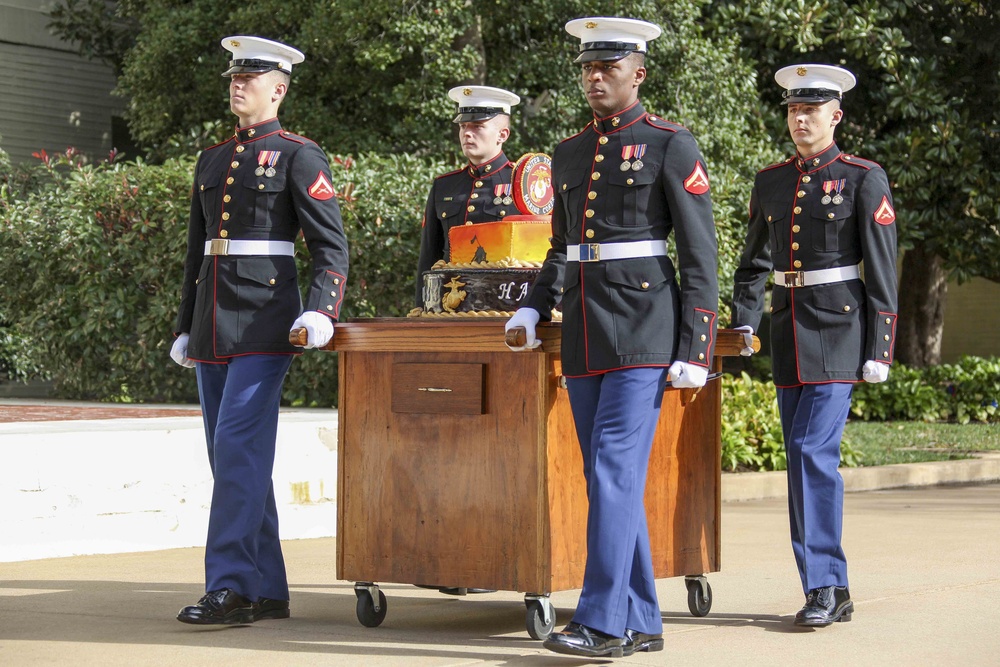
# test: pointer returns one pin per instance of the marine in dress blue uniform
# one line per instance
(481, 191)
(813, 219)
(622, 185)
(253, 194)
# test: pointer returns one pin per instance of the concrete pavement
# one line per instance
(925, 577)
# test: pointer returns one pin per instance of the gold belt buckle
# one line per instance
(219, 247)
(593, 253)
(794, 279)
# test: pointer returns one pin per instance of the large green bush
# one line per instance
(92, 275)
(963, 392)
(93, 266)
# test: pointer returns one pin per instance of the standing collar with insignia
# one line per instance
(489, 167)
(617, 121)
(819, 160)
(251, 132)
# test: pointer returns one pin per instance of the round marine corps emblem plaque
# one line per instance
(532, 180)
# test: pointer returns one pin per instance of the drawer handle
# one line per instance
(434, 389)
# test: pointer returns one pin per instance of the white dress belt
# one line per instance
(819, 277)
(599, 252)
(247, 247)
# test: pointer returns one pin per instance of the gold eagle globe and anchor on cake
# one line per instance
(491, 265)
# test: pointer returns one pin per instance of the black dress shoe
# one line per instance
(830, 604)
(576, 639)
(222, 607)
(266, 608)
(460, 590)
(640, 641)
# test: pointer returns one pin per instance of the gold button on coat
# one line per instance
(333, 294)
(329, 307)
(847, 309)
(599, 158)
(797, 264)
(223, 233)
(230, 180)
(704, 337)
(595, 176)
(888, 321)
(234, 164)
(701, 355)
(590, 233)
(801, 194)
(336, 281)
(769, 218)
(227, 198)
(592, 195)
(474, 196)
(589, 213)
(795, 246)
(225, 216)
(629, 182)
(705, 319)
(806, 179)
(886, 337)
(645, 285)
(271, 281)
(796, 228)
(885, 354)
(203, 188)
(603, 140)
(260, 186)
(830, 215)
(479, 184)
(240, 149)
(471, 209)
(797, 210)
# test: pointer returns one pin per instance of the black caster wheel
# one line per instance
(699, 596)
(368, 615)
(535, 619)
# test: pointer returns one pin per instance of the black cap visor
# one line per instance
(592, 51)
(475, 114)
(251, 66)
(809, 95)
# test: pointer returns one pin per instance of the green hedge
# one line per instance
(965, 392)
(93, 259)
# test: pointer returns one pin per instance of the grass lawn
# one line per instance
(882, 443)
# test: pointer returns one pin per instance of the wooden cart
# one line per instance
(459, 465)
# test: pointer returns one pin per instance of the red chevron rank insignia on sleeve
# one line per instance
(697, 182)
(321, 188)
(884, 215)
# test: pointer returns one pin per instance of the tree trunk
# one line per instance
(922, 294)
(474, 37)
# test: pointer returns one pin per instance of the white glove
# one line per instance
(747, 350)
(527, 318)
(683, 375)
(319, 327)
(875, 372)
(179, 351)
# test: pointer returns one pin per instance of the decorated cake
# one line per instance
(491, 265)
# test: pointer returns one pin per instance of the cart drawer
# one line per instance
(434, 388)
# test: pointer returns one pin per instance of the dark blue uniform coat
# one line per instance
(626, 313)
(234, 305)
(823, 333)
(461, 197)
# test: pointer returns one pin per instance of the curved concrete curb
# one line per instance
(758, 485)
